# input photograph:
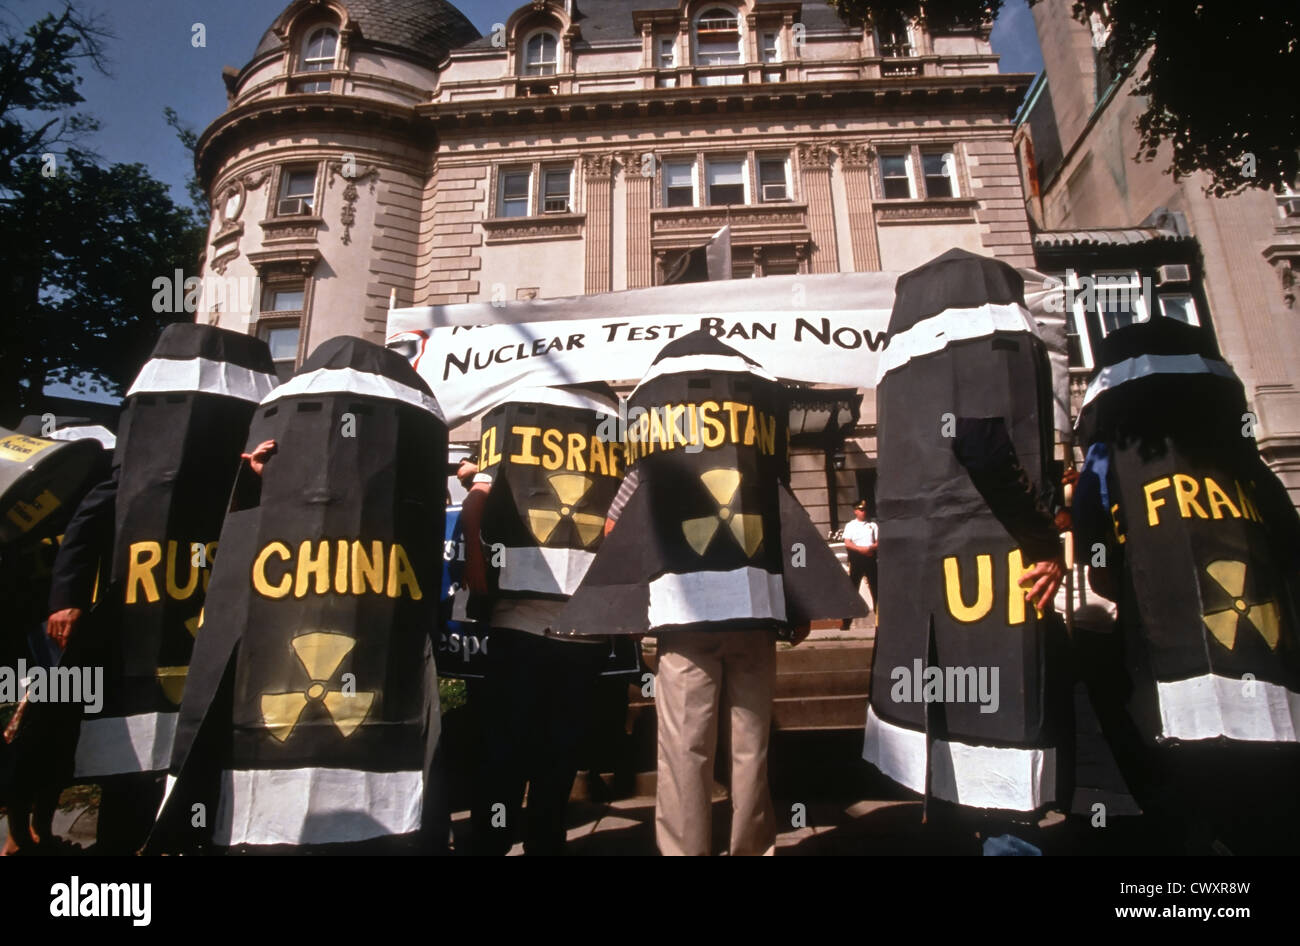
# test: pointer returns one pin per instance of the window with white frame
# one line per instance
(319, 50)
(514, 192)
(284, 298)
(769, 48)
(283, 342)
(773, 179)
(297, 192)
(896, 176)
(540, 51)
(717, 37)
(726, 181)
(940, 170)
(1180, 306)
(679, 183)
(557, 190)
(1118, 299)
(667, 52)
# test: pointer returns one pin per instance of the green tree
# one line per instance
(79, 254)
(1219, 83)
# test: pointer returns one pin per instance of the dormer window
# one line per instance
(717, 38)
(894, 36)
(319, 51)
(540, 54)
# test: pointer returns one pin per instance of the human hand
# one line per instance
(1045, 578)
(261, 453)
(61, 624)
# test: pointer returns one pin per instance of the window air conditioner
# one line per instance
(1173, 272)
(292, 206)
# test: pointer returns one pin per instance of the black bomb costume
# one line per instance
(181, 433)
(311, 715)
(555, 468)
(966, 701)
(1202, 549)
(712, 538)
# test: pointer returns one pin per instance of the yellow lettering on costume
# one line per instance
(525, 454)
(341, 568)
(597, 456)
(733, 408)
(1015, 594)
(144, 557)
(674, 417)
(574, 462)
(751, 427)
(1153, 519)
(367, 570)
(317, 565)
(1218, 500)
(695, 424)
(1114, 517)
(615, 454)
(401, 574)
(657, 431)
(643, 435)
(1185, 490)
(553, 441)
(260, 584)
(712, 430)
(952, 587)
(767, 435)
(1247, 503)
(488, 453)
(174, 590)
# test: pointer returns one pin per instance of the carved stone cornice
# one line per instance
(351, 172)
(815, 155)
(291, 229)
(679, 220)
(297, 259)
(597, 165)
(856, 153)
(545, 227)
(912, 211)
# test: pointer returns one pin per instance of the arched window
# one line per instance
(540, 54)
(319, 50)
(894, 36)
(717, 37)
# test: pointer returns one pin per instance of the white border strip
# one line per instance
(202, 375)
(316, 805)
(695, 597)
(555, 571)
(107, 439)
(976, 776)
(953, 325)
(352, 381)
(702, 364)
(1142, 366)
(117, 745)
(558, 398)
(1212, 706)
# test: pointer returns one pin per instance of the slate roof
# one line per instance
(605, 20)
(425, 28)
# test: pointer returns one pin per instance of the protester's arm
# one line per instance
(625, 491)
(87, 542)
(984, 448)
(471, 517)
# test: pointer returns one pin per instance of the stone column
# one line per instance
(856, 158)
(640, 261)
(597, 171)
(815, 168)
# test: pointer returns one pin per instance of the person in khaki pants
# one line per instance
(698, 671)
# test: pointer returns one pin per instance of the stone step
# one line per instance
(822, 683)
(831, 655)
(820, 713)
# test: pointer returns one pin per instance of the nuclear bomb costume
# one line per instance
(46, 466)
(311, 714)
(554, 462)
(1199, 544)
(156, 520)
(712, 554)
(970, 690)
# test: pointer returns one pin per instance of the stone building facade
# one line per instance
(1075, 142)
(379, 152)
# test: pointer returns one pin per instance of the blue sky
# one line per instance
(154, 64)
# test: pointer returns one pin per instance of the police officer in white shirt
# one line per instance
(861, 537)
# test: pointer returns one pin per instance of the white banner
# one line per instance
(827, 329)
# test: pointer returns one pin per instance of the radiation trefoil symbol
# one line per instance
(320, 654)
(747, 528)
(172, 679)
(1224, 624)
(569, 488)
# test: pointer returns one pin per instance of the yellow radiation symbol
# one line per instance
(320, 654)
(569, 488)
(723, 485)
(1262, 615)
(172, 679)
